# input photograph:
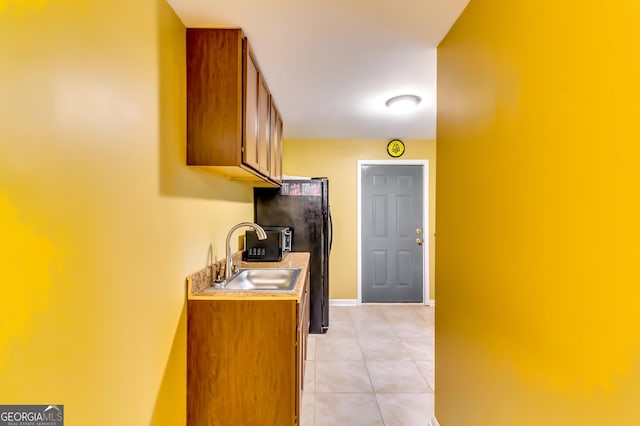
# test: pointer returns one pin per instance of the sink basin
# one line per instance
(271, 279)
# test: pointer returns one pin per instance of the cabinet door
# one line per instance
(251, 87)
(263, 126)
(306, 322)
(275, 148)
(302, 330)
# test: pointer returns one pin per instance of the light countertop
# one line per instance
(198, 281)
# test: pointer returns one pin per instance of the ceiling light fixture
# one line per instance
(403, 103)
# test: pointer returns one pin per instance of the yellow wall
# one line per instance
(538, 232)
(338, 160)
(100, 218)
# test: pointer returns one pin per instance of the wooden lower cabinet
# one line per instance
(245, 361)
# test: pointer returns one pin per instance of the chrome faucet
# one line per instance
(261, 236)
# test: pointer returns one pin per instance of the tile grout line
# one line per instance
(373, 389)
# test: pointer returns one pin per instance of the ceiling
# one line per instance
(332, 64)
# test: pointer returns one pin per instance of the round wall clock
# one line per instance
(395, 148)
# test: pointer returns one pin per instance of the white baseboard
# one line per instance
(354, 302)
(343, 302)
(433, 421)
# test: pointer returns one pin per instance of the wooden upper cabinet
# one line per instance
(228, 107)
(214, 97)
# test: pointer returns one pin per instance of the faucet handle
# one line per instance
(220, 272)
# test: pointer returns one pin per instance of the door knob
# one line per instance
(419, 241)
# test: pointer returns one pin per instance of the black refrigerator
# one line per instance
(303, 205)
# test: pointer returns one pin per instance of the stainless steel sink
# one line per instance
(271, 279)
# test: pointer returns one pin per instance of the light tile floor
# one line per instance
(375, 366)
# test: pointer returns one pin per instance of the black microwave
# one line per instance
(272, 249)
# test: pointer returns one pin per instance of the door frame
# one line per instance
(425, 216)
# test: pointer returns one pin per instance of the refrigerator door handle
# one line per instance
(330, 230)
